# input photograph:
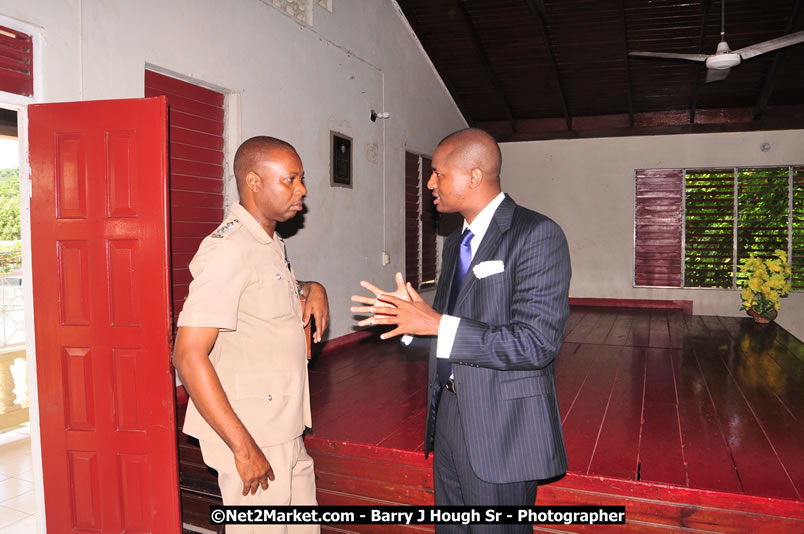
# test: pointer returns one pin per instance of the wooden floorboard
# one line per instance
(656, 395)
(619, 330)
(661, 458)
(617, 450)
(706, 452)
(639, 336)
(659, 330)
(572, 369)
(694, 422)
(582, 425)
(758, 465)
(583, 328)
(600, 331)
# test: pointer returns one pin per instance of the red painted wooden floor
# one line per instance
(706, 403)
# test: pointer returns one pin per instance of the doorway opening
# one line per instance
(17, 505)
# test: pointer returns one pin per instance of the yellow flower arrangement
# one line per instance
(767, 281)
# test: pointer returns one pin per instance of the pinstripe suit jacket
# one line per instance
(511, 329)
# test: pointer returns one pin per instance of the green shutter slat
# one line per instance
(797, 258)
(709, 228)
(762, 198)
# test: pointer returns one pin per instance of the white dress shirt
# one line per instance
(449, 324)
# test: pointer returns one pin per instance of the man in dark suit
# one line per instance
(497, 324)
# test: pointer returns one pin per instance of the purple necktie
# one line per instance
(464, 260)
(444, 368)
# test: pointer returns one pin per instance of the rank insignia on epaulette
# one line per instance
(225, 228)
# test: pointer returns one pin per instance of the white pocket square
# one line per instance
(487, 268)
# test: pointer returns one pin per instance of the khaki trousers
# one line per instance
(294, 483)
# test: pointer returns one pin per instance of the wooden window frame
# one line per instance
(16, 62)
(648, 199)
(421, 223)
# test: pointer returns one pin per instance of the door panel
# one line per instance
(101, 284)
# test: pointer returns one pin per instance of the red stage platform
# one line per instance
(690, 422)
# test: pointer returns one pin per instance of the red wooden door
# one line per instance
(101, 286)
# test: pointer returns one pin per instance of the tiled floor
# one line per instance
(17, 508)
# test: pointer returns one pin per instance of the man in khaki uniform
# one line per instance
(240, 349)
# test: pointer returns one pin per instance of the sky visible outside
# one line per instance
(9, 154)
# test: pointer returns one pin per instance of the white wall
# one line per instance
(587, 186)
(288, 80)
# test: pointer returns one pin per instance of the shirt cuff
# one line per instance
(447, 329)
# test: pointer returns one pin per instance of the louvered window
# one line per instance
(763, 211)
(420, 223)
(727, 214)
(659, 204)
(709, 228)
(429, 221)
(16, 62)
(797, 229)
(195, 116)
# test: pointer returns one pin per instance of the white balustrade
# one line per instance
(13, 407)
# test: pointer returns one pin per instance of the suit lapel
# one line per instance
(449, 261)
(500, 224)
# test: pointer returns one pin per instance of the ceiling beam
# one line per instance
(484, 58)
(538, 10)
(627, 67)
(431, 50)
(451, 87)
(696, 69)
(771, 75)
(652, 123)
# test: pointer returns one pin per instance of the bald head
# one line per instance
(252, 153)
(466, 172)
(473, 148)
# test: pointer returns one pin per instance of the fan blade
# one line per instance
(769, 46)
(671, 55)
(715, 75)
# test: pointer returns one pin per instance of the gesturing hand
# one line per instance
(254, 470)
(400, 293)
(411, 315)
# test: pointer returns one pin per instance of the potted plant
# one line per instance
(766, 281)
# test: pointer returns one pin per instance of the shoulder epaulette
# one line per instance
(225, 228)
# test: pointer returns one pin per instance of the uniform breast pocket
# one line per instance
(268, 386)
(273, 293)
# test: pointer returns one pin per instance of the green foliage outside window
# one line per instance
(709, 228)
(763, 222)
(10, 250)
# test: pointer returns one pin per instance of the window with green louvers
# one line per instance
(798, 228)
(763, 211)
(728, 213)
(709, 228)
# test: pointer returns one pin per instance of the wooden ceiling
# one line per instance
(545, 69)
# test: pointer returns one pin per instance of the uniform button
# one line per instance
(270, 397)
(278, 276)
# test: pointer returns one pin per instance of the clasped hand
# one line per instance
(404, 308)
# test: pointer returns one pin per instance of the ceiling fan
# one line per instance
(720, 63)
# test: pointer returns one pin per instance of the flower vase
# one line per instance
(761, 319)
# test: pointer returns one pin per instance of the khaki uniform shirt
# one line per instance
(243, 285)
